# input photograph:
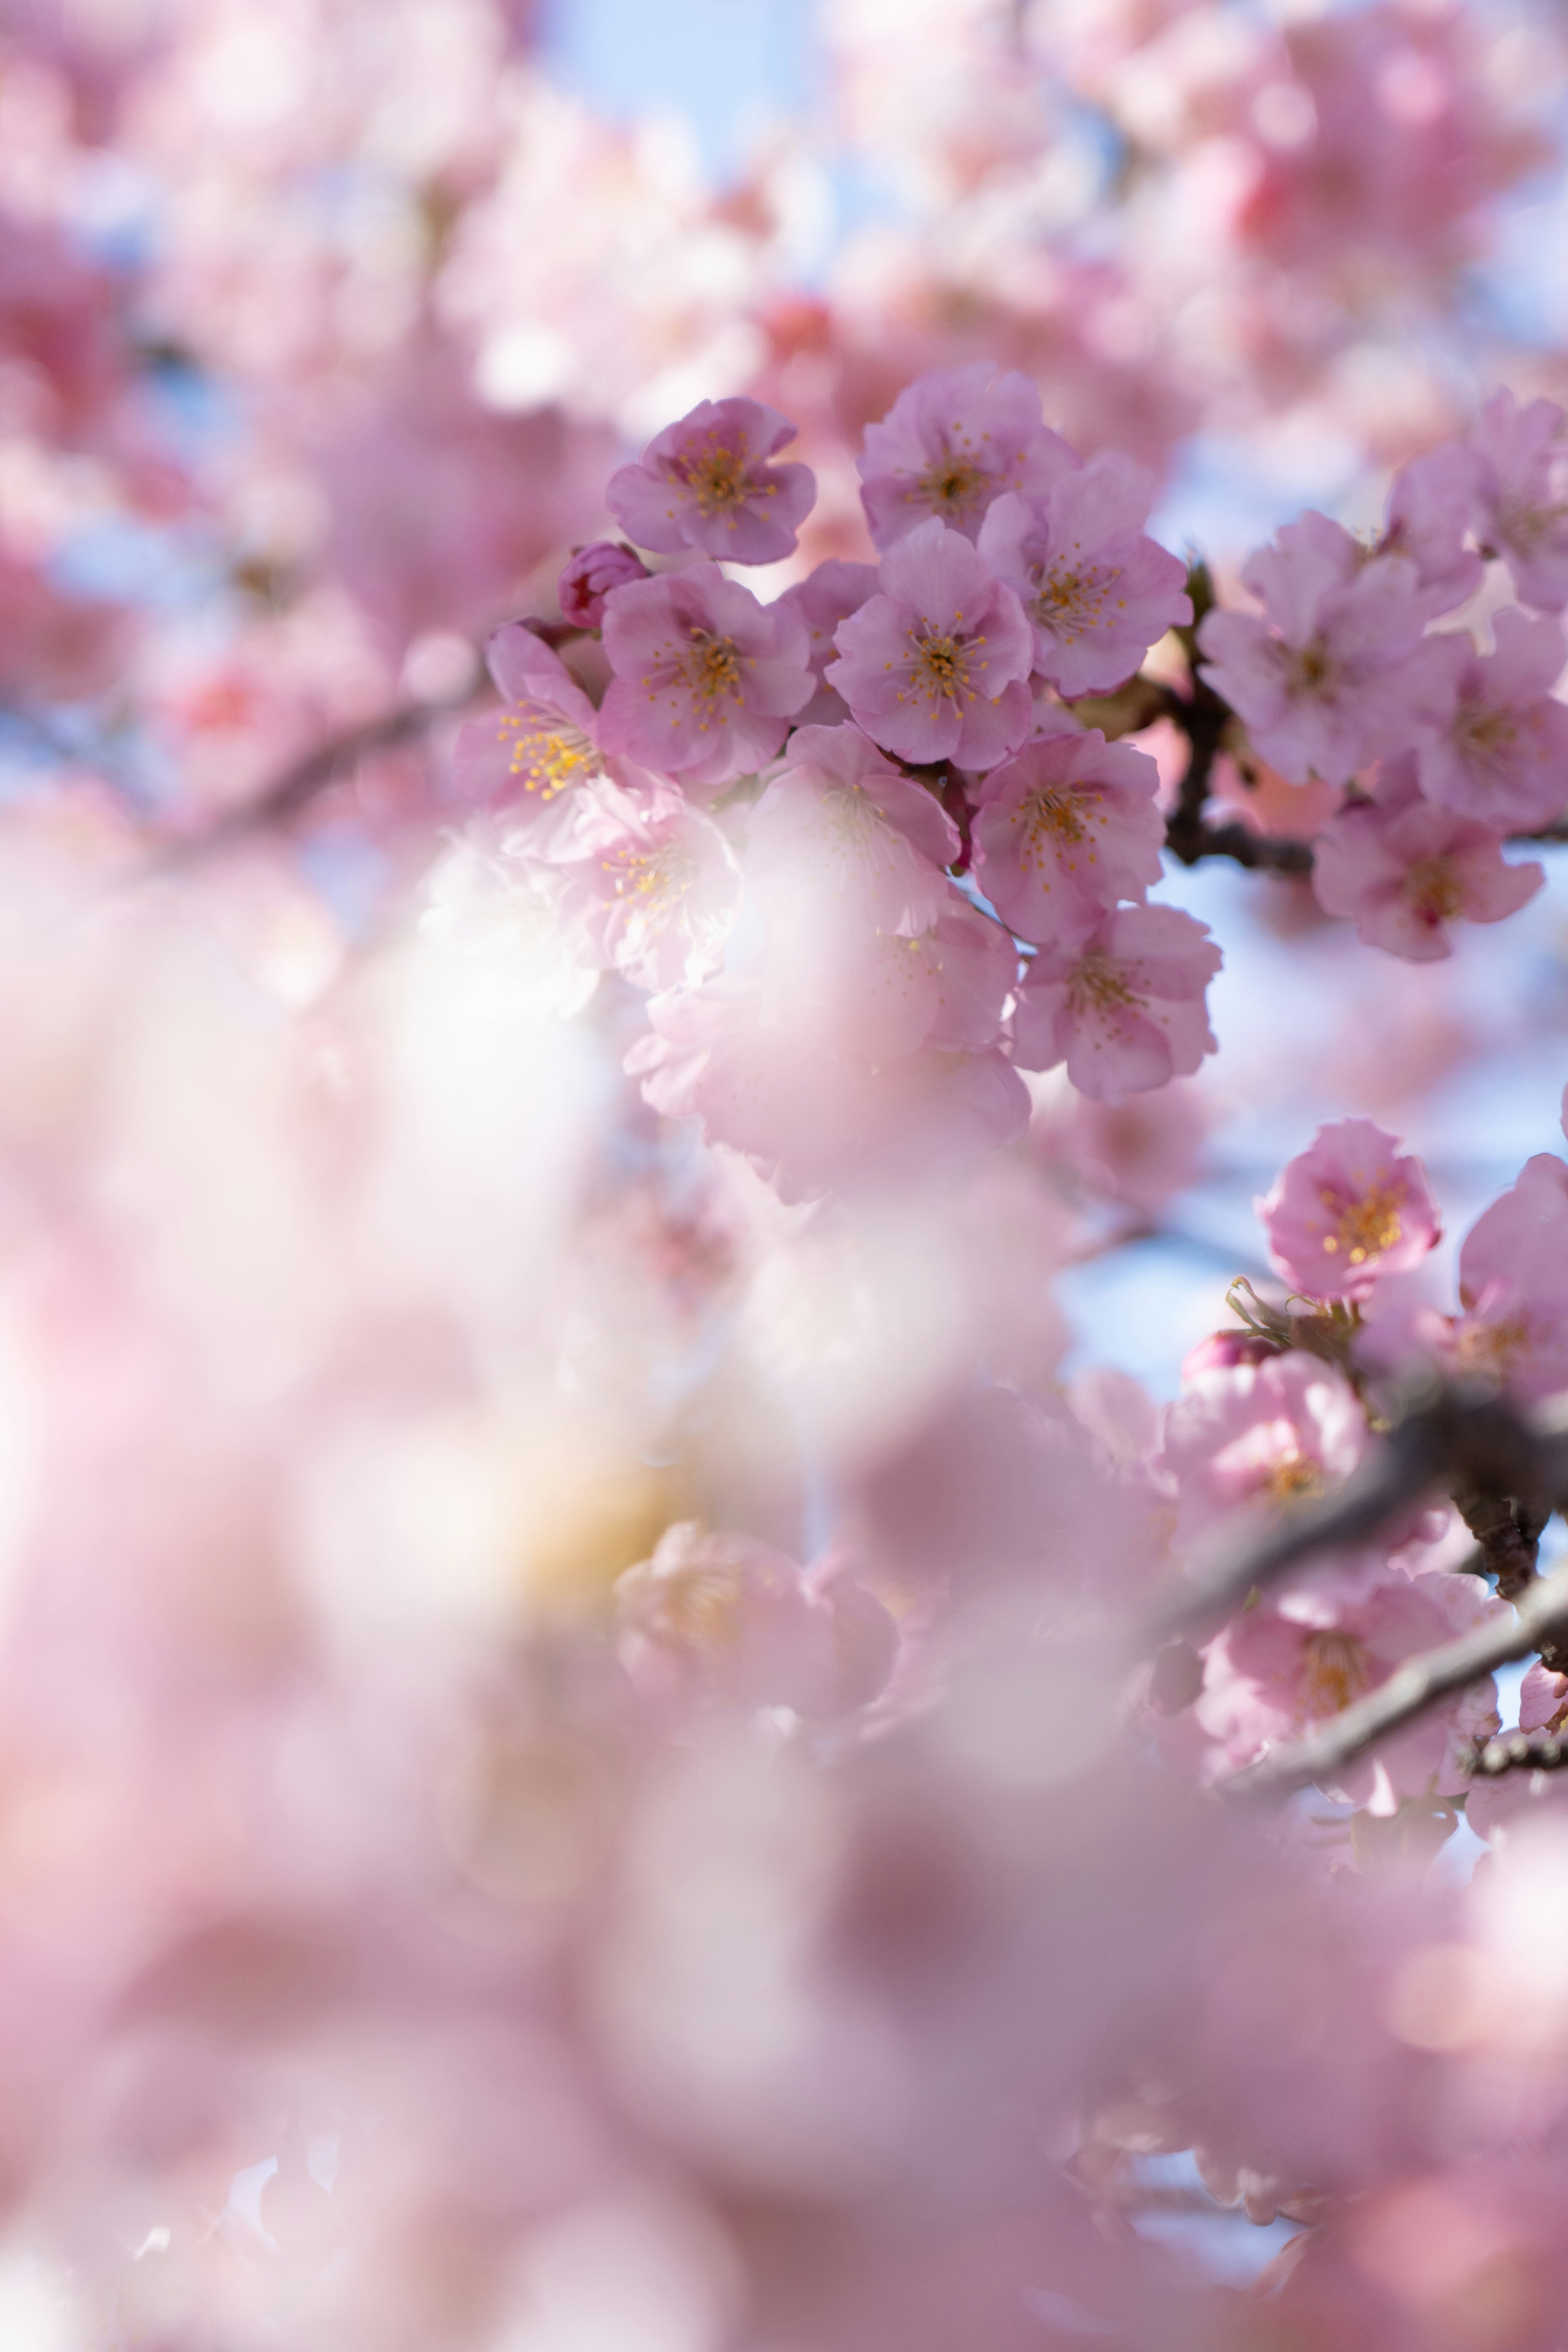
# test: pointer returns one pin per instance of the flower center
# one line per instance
(719, 480)
(661, 878)
(1486, 729)
(1054, 816)
(1367, 1228)
(1097, 985)
(1432, 890)
(1311, 670)
(548, 759)
(713, 666)
(951, 484)
(941, 668)
(1069, 603)
(1292, 1480)
(1527, 527)
(1335, 1670)
(1492, 1348)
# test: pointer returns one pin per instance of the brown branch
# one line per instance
(1518, 1751)
(1460, 1437)
(1261, 851)
(1409, 1691)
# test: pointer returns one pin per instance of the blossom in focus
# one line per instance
(707, 483)
(645, 881)
(1502, 757)
(706, 679)
(1097, 589)
(934, 666)
(724, 1616)
(952, 442)
(1513, 1286)
(542, 744)
(1064, 829)
(1521, 495)
(841, 824)
(588, 576)
(1405, 871)
(826, 596)
(1123, 1008)
(1297, 1658)
(1336, 674)
(1248, 1432)
(1349, 1208)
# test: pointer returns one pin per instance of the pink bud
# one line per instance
(588, 576)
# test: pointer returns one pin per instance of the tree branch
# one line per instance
(1409, 1691)
(1461, 1437)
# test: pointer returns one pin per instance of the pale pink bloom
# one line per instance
(954, 441)
(1430, 503)
(1405, 872)
(1136, 1153)
(1065, 828)
(935, 666)
(723, 1617)
(1349, 1208)
(1521, 495)
(826, 596)
(706, 679)
(1337, 674)
(588, 576)
(1258, 1431)
(706, 483)
(1292, 1661)
(1096, 590)
(1502, 757)
(644, 881)
(1513, 1286)
(1124, 1008)
(544, 743)
(841, 823)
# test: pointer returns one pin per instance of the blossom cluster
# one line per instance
(1444, 750)
(824, 833)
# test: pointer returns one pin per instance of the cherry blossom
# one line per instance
(1514, 1326)
(1348, 1209)
(935, 665)
(828, 595)
(587, 579)
(543, 744)
(1097, 590)
(707, 483)
(646, 882)
(1522, 513)
(841, 823)
(1124, 1006)
(1064, 829)
(952, 442)
(1251, 1430)
(706, 679)
(1501, 756)
(1336, 673)
(1405, 871)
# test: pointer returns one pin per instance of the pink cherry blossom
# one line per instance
(1521, 495)
(645, 881)
(1293, 1661)
(725, 1617)
(842, 824)
(954, 441)
(588, 577)
(1349, 1208)
(1064, 829)
(544, 743)
(1502, 757)
(706, 679)
(1124, 1007)
(935, 665)
(706, 483)
(1513, 1286)
(1257, 1433)
(1405, 871)
(1430, 504)
(1096, 590)
(828, 595)
(1337, 674)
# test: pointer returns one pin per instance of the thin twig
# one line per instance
(1409, 1691)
